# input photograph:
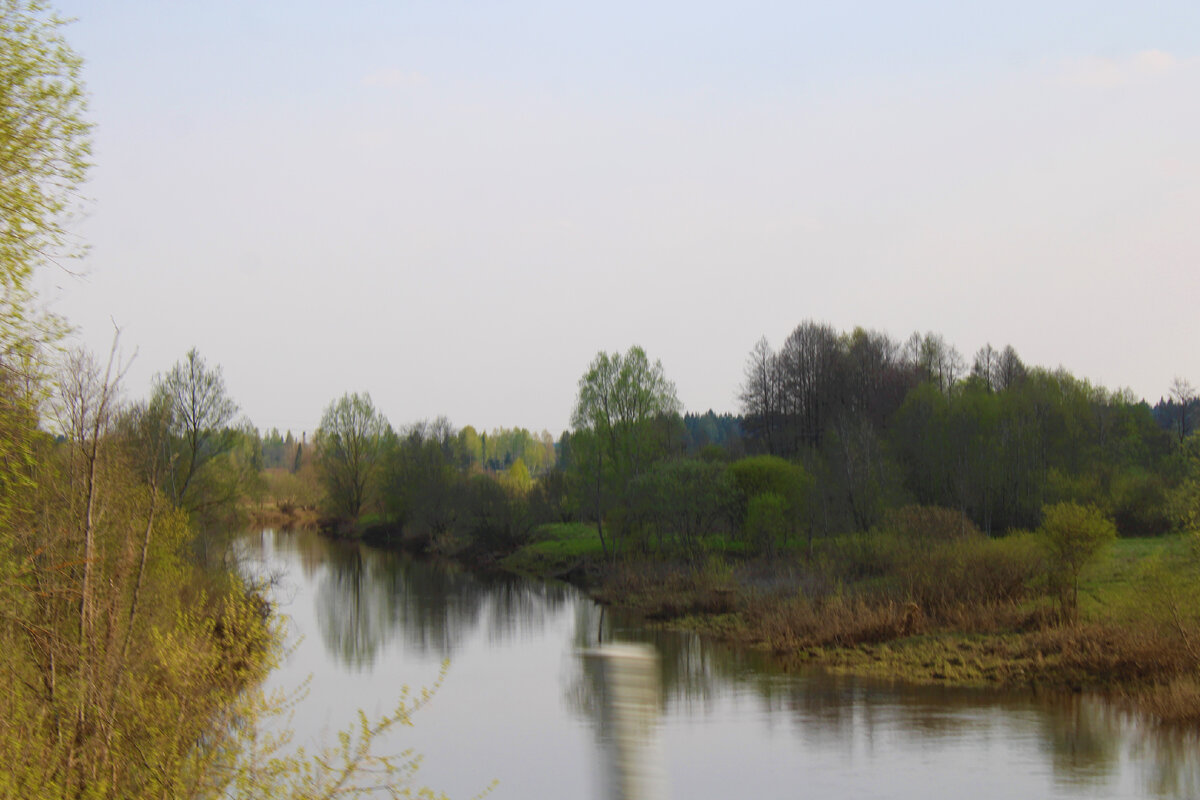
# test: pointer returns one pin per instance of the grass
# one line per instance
(557, 548)
(1113, 587)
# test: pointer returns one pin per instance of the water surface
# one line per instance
(519, 705)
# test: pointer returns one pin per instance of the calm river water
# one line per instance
(519, 705)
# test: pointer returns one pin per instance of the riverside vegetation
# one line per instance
(876, 507)
(131, 644)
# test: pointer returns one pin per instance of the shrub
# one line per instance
(971, 572)
(930, 524)
(760, 475)
(766, 521)
(1072, 535)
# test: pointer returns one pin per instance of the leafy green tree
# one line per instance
(518, 476)
(471, 446)
(626, 403)
(789, 483)
(350, 444)
(187, 442)
(45, 146)
(1072, 536)
(681, 501)
(422, 484)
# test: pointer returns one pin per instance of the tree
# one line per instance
(685, 499)
(1009, 370)
(1184, 396)
(760, 394)
(935, 361)
(1072, 535)
(191, 400)
(621, 401)
(349, 451)
(45, 143)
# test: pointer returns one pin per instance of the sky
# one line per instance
(455, 205)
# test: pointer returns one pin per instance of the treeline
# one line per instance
(494, 450)
(837, 431)
(437, 486)
(879, 424)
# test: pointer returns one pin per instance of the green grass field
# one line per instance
(1115, 585)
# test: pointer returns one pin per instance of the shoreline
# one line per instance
(1004, 648)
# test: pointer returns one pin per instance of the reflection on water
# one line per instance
(733, 723)
(366, 597)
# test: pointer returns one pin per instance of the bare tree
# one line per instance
(760, 394)
(1009, 371)
(986, 366)
(199, 415)
(1183, 395)
(810, 365)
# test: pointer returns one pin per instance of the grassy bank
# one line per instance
(967, 612)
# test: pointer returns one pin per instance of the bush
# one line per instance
(759, 475)
(766, 521)
(930, 524)
(974, 571)
(1072, 535)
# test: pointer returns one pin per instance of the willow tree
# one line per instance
(625, 404)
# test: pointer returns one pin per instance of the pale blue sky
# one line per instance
(454, 205)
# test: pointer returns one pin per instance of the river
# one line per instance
(518, 704)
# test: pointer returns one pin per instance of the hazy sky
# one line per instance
(455, 205)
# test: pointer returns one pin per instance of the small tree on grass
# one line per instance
(1072, 535)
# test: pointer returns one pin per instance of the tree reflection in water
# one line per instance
(366, 600)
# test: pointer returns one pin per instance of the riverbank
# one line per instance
(1130, 638)
(960, 613)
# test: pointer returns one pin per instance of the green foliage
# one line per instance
(1139, 504)
(1183, 505)
(555, 548)
(970, 571)
(790, 483)
(422, 486)
(501, 447)
(350, 445)
(45, 146)
(496, 515)
(628, 407)
(766, 521)
(680, 501)
(1072, 535)
(186, 442)
(550, 497)
(518, 477)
